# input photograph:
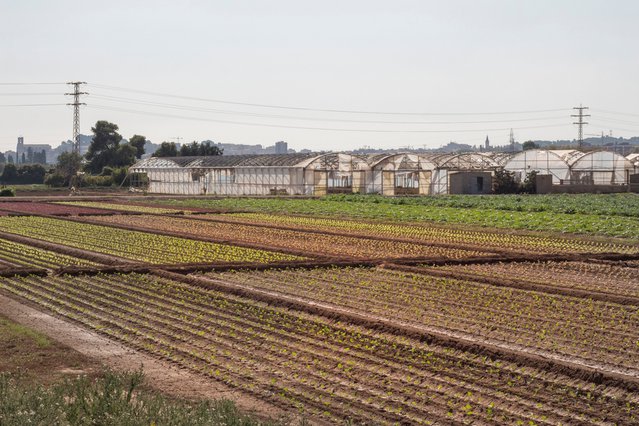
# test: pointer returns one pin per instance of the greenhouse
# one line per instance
(634, 161)
(572, 167)
(386, 174)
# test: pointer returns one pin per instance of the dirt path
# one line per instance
(162, 376)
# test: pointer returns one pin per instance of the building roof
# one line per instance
(225, 161)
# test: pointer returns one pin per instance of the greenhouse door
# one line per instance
(388, 182)
(424, 182)
(320, 179)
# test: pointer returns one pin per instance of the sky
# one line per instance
(321, 75)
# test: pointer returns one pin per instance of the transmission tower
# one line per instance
(76, 112)
(580, 116)
(512, 141)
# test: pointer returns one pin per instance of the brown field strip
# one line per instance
(495, 239)
(383, 325)
(548, 324)
(455, 272)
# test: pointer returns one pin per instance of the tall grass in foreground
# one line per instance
(113, 399)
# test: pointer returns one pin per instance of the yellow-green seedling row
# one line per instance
(284, 239)
(134, 245)
(22, 255)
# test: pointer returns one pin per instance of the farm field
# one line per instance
(298, 359)
(606, 278)
(26, 207)
(14, 254)
(482, 239)
(591, 222)
(594, 333)
(132, 245)
(337, 319)
(120, 207)
(342, 246)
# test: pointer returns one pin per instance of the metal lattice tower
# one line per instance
(580, 115)
(76, 112)
(512, 140)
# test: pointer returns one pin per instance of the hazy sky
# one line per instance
(432, 63)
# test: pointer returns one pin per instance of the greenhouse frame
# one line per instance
(393, 174)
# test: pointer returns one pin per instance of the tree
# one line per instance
(208, 148)
(105, 142)
(68, 166)
(27, 174)
(529, 185)
(9, 174)
(106, 149)
(10, 159)
(166, 149)
(504, 182)
(199, 149)
(528, 145)
(138, 141)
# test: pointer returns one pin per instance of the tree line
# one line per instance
(106, 162)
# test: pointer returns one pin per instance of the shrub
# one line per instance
(55, 180)
(7, 192)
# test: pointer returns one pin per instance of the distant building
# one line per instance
(43, 153)
(487, 144)
(281, 147)
(32, 153)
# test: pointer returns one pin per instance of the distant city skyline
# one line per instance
(321, 76)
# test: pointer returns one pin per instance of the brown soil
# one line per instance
(75, 350)
(571, 368)
(519, 284)
(37, 358)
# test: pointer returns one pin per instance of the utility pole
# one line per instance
(76, 112)
(580, 116)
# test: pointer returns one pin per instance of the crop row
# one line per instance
(122, 207)
(594, 333)
(133, 245)
(426, 233)
(327, 245)
(46, 208)
(16, 254)
(617, 279)
(323, 368)
(589, 204)
(400, 210)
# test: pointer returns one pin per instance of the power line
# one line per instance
(29, 105)
(616, 112)
(289, 117)
(29, 84)
(311, 128)
(168, 95)
(30, 94)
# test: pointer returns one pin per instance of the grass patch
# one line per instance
(10, 330)
(112, 399)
